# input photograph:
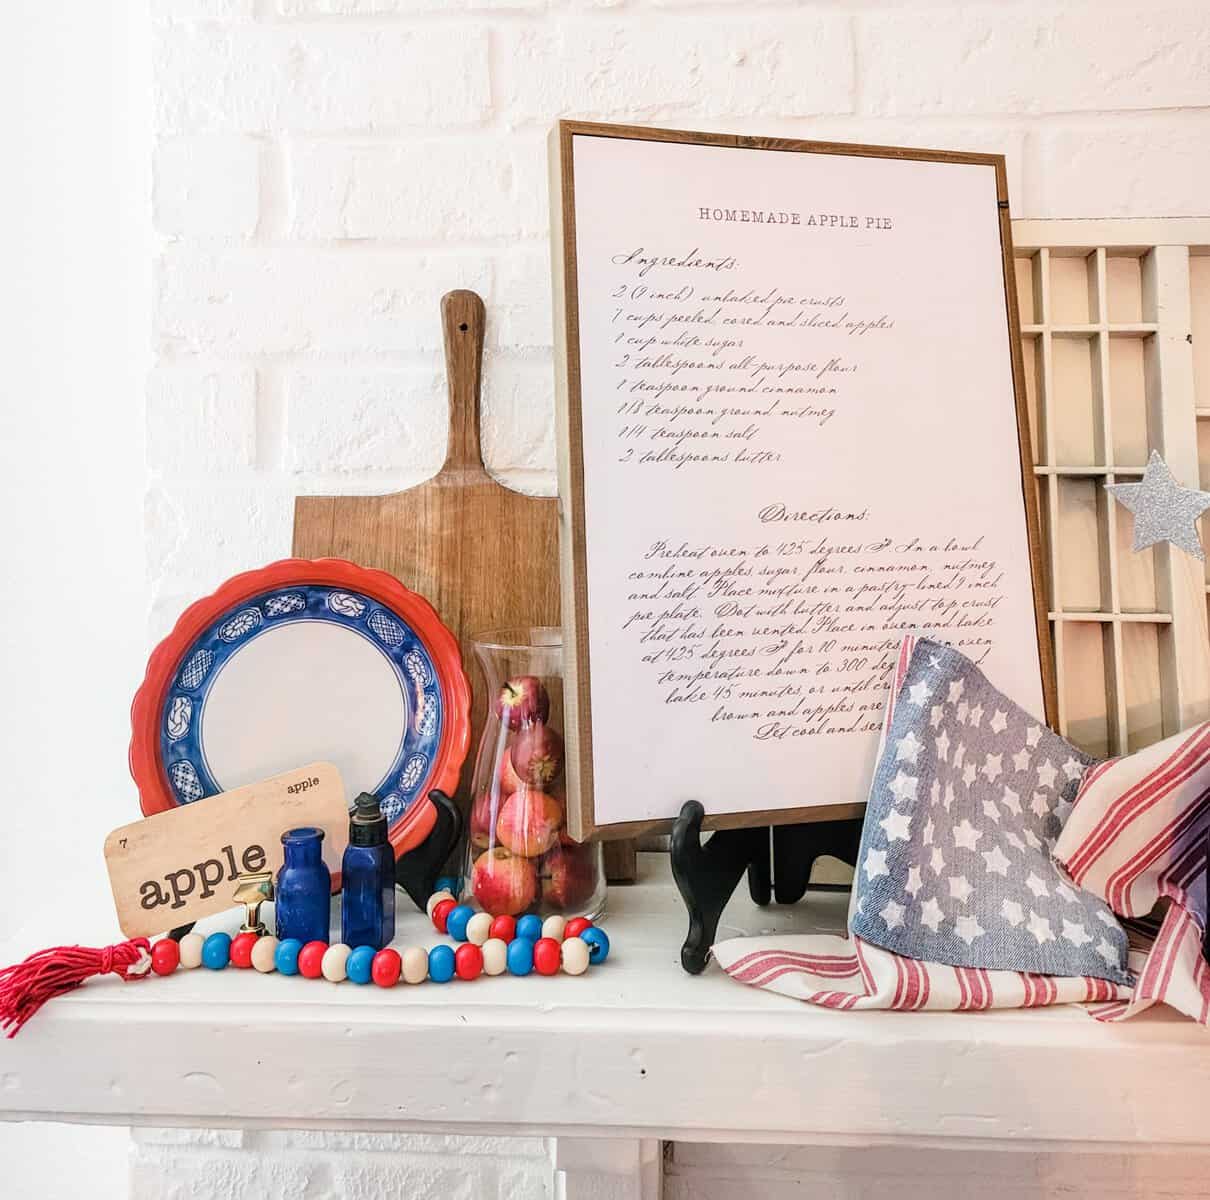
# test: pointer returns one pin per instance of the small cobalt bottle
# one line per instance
(367, 872)
(303, 900)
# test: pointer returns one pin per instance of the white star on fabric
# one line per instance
(1105, 918)
(1075, 933)
(908, 749)
(1011, 802)
(992, 767)
(1073, 769)
(918, 693)
(914, 882)
(936, 716)
(1039, 927)
(934, 661)
(964, 710)
(875, 864)
(959, 755)
(1061, 889)
(1021, 760)
(935, 791)
(966, 835)
(959, 888)
(968, 928)
(949, 797)
(976, 716)
(902, 787)
(1014, 841)
(860, 906)
(968, 774)
(1063, 811)
(990, 811)
(897, 826)
(996, 860)
(1107, 952)
(1010, 910)
(1040, 804)
(1046, 774)
(955, 692)
(1164, 511)
(943, 746)
(931, 914)
(937, 861)
(999, 721)
(1032, 839)
(1033, 735)
(927, 836)
(1036, 885)
(892, 914)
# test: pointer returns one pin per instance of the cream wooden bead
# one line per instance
(436, 898)
(191, 950)
(415, 964)
(264, 954)
(334, 962)
(479, 928)
(495, 956)
(553, 927)
(574, 955)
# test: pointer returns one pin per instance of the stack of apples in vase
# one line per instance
(520, 857)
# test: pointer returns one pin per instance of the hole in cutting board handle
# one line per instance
(463, 327)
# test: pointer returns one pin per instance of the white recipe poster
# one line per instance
(797, 441)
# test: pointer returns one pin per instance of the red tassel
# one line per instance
(26, 986)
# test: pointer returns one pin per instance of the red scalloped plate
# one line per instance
(305, 660)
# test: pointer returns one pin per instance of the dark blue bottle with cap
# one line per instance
(367, 911)
(302, 903)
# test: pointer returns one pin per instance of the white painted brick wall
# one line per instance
(325, 169)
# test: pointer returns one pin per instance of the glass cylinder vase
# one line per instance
(520, 857)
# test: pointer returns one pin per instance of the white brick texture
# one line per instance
(325, 169)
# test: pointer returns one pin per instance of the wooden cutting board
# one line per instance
(484, 556)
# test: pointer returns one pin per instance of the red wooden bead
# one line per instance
(310, 959)
(385, 968)
(441, 912)
(504, 928)
(241, 949)
(546, 956)
(468, 961)
(165, 956)
(575, 927)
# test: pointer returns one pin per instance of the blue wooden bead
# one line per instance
(360, 963)
(598, 944)
(455, 922)
(520, 956)
(529, 927)
(449, 883)
(216, 951)
(286, 956)
(441, 964)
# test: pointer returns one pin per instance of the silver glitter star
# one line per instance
(1164, 511)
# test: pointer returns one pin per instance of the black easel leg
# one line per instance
(707, 875)
(796, 847)
(417, 870)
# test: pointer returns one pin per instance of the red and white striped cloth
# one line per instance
(1137, 833)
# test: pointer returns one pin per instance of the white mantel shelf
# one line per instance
(635, 1050)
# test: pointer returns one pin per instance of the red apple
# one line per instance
(567, 876)
(537, 754)
(504, 884)
(521, 701)
(482, 831)
(529, 822)
(507, 776)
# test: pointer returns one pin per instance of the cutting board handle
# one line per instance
(462, 320)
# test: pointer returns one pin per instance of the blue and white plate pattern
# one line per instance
(181, 717)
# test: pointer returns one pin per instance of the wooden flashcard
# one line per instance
(179, 866)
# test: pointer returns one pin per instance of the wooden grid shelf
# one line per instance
(1115, 323)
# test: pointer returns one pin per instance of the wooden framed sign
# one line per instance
(792, 428)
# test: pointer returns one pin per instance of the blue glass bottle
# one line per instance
(303, 900)
(367, 872)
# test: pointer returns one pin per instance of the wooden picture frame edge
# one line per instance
(568, 429)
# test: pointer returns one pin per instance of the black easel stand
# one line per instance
(707, 875)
